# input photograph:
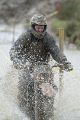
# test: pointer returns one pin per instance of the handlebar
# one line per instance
(63, 67)
(58, 65)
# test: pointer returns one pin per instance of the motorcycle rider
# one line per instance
(36, 45)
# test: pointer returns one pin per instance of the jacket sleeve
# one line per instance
(17, 54)
(55, 51)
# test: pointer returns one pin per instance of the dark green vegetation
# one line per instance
(69, 18)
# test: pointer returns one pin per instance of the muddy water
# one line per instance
(67, 106)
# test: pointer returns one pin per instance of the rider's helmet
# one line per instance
(38, 19)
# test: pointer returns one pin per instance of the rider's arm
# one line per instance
(17, 54)
(57, 55)
(55, 51)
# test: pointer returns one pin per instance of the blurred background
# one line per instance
(15, 15)
(63, 18)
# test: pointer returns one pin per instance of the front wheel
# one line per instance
(43, 105)
(33, 103)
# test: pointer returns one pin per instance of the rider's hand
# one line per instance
(68, 66)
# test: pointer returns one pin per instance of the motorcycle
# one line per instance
(37, 91)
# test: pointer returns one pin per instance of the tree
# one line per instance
(69, 9)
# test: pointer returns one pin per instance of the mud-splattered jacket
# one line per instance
(29, 48)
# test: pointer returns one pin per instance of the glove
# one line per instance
(67, 66)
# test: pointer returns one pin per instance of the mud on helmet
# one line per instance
(38, 19)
